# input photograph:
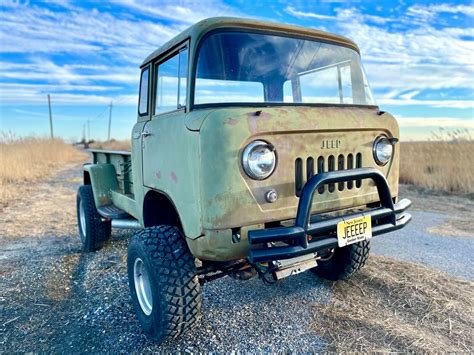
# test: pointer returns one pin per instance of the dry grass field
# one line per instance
(112, 145)
(398, 306)
(438, 165)
(27, 160)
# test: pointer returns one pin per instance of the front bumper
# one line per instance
(311, 234)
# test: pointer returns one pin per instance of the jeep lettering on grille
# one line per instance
(330, 144)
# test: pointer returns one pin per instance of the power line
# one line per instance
(122, 101)
(100, 114)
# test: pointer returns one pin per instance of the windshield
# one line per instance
(236, 67)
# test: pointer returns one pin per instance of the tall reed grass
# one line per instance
(111, 145)
(25, 160)
(438, 165)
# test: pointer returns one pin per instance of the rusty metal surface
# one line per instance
(218, 244)
(231, 199)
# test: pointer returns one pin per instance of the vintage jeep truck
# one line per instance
(258, 150)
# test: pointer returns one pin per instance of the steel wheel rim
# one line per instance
(82, 218)
(142, 286)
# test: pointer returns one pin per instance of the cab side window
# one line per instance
(143, 101)
(171, 83)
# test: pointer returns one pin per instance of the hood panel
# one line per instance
(280, 119)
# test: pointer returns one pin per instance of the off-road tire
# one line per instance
(96, 231)
(345, 262)
(175, 288)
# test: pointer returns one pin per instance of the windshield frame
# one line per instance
(201, 40)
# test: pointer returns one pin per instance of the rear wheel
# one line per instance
(93, 231)
(344, 262)
(163, 282)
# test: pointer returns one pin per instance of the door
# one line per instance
(159, 137)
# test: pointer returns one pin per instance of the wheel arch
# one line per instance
(159, 209)
(86, 178)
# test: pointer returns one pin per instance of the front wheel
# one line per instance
(344, 262)
(163, 282)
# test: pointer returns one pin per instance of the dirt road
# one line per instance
(55, 298)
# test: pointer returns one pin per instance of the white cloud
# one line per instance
(107, 47)
(188, 13)
(26, 114)
(412, 59)
(428, 12)
(46, 71)
(25, 96)
(302, 14)
(57, 87)
(447, 122)
(82, 32)
(466, 104)
(410, 95)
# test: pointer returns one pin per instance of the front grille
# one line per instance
(305, 169)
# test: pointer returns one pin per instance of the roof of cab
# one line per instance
(200, 28)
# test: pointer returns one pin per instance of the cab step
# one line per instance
(113, 212)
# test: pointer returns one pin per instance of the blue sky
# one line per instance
(419, 57)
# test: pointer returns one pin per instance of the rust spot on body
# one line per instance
(158, 174)
(253, 118)
(174, 177)
(104, 200)
(231, 121)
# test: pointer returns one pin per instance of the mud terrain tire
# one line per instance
(345, 262)
(93, 231)
(161, 265)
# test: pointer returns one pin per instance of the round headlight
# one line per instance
(383, 150)
(259, 160)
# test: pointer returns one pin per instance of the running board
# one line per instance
(113, 212)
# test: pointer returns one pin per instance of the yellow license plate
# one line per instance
(354, 230)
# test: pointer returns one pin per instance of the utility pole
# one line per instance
(110, 120)
(88, 130)
(50, 117)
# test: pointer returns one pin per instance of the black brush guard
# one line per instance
(312, 234)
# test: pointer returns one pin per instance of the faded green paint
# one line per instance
(218, 244)
(103, 179)
(171, 166)
(231, 199)
(121, 160)
(194, 157)
(126, 203)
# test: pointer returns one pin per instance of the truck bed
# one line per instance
(122, 161)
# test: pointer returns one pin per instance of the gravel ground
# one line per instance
(70, 301)
(415, 243)
(55, 298)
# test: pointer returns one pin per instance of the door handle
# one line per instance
(145, 134)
